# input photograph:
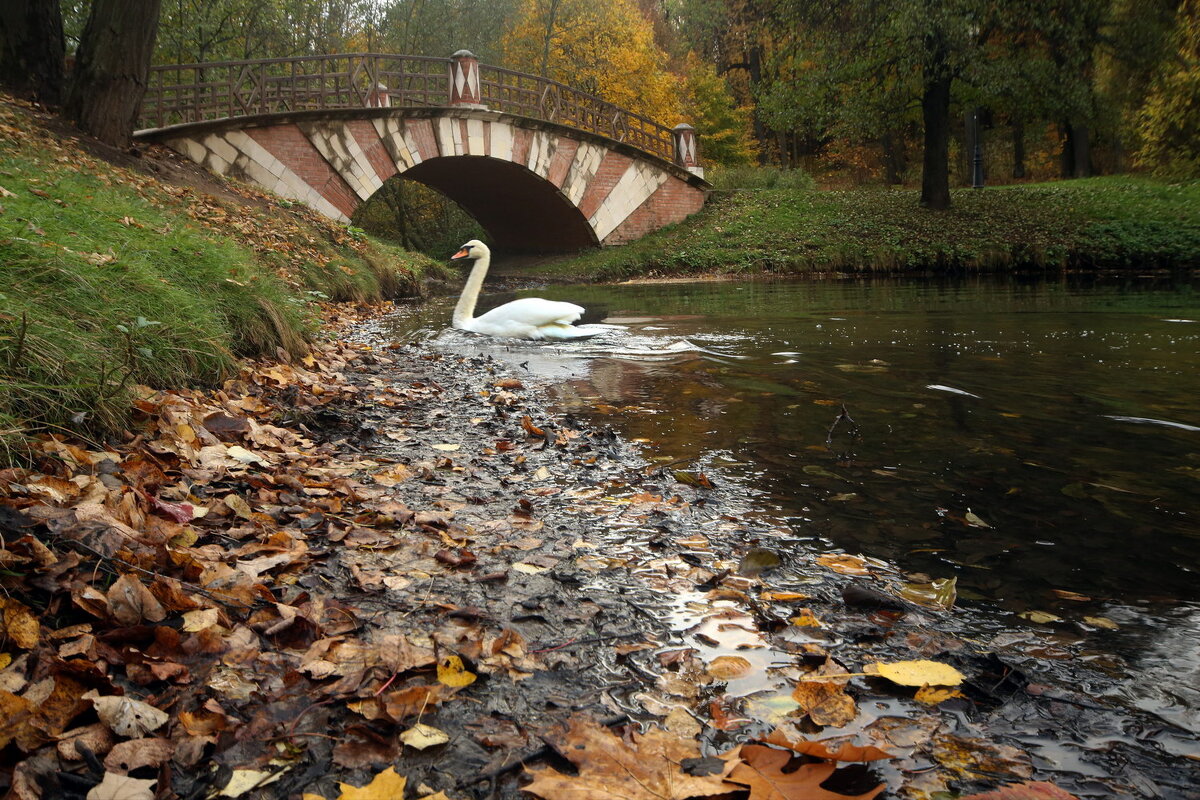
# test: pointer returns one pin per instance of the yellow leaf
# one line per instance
(452, 673)
(1040, 617)
(387, 785)
(806, 619)
(783, 597)
(1101, 622)
(931, 696)
(420, 736)
(919, 673)
(447, 448)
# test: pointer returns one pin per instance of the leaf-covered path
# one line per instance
(386, 571)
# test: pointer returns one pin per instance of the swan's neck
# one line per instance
(465, 310)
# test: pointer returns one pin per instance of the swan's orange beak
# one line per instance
(460, 254)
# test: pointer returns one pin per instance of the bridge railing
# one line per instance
(185, 93)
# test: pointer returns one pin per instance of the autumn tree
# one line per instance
(724, 128)
(607, 49)
(1170, 119)
(111, 68)
(32, 49)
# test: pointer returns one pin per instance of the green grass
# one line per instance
(109, 280)
(1119, 222)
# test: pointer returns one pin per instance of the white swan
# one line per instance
(527, 318)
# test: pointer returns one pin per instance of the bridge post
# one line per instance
(686, 153)
(464, 81)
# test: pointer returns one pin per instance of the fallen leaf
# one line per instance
(121, 787)
(128, 756)
(20, 624)
(446, 448)
(931, 696)
(917, 673)
(762, 771)
(131, 603)
(821, 748)
(1101, 622)
(452, 673)
(726, 667)
(1029, 790)
(1040, 617)
(844, 564)
(125, 716)
(421, 736)
(644, 767)
(246, 780)
(386, 785)
(826, 703)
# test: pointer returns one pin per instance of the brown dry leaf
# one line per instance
(95, 737)
(648, 767)
(125, 716)
(122, 787)
(131, 603)
(19, 624)
(762, 771)
(826, 704)
(726, 667)
(821, 748)
(128, 756)
(16, 714)
(1029, 790)
(387, 785)
(412, 701)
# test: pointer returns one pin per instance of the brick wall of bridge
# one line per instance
(336, 161)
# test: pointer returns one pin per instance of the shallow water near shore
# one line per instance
(1036, 441)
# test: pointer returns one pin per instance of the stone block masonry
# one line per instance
(532, 184)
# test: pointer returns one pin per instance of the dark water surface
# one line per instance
(1037, 441)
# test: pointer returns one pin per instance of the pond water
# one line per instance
(1038, 441)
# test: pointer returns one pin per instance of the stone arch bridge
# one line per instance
(541, 166)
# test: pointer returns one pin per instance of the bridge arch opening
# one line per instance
(521, 211)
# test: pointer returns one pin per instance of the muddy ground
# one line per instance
(634, 591)
(390, 556)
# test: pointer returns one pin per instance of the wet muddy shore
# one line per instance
(575, 577)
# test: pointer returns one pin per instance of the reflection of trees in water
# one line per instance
(417, 218)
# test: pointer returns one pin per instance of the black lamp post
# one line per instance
(977, 154)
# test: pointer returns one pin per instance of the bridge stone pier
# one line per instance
(533, 184)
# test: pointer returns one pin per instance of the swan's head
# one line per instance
(473, 249)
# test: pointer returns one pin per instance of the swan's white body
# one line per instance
(528, 318)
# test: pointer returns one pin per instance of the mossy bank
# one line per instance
(1118, 222)
(112, 277)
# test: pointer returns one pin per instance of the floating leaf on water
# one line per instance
(1028, 790)
(757, 561)
(693, 479)
(783, 597)
(1101, 622)
(1065, 595)
(1040, 617)
(931, 696)
(726, 667)
(446, 448)
(844, 563)
(917, 673)
(806, 619)
(844, 497)
(974, 520)
(940, 593)
(819, 471)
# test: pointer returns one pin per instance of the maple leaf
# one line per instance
(821, 748)
(656, 765)
(762, 771)
(387, 785)
(1029, 790)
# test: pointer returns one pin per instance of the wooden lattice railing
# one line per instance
(187, 93)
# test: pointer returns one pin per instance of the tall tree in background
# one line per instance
(32, 49)
(606, 48)
(1170, 119)
(111, 68)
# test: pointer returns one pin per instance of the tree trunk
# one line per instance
(1018, 139)
(893, 157)
(32, 49)
(935, 112)
(112, 68)
(1082, 152)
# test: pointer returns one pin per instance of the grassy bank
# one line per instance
(110, 278)
(1100, 222)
